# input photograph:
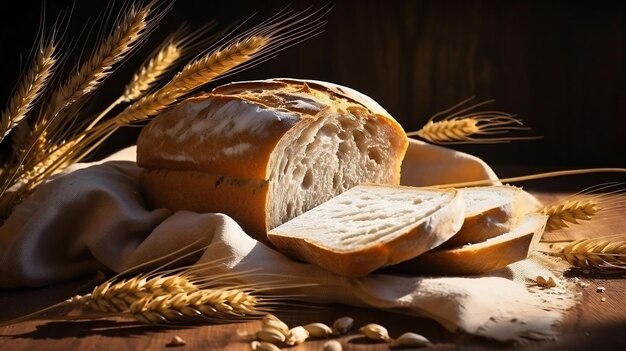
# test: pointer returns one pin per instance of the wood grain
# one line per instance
(560, 65)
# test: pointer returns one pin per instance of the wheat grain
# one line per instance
(318, 330)
(296, 336)
(601, 254)
(272, 335)
(375, 332)
(28, 91)
(343, 325)
(410, 340)
(561, 215)
(332, 345)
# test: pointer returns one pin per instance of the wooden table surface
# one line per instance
(592, 325)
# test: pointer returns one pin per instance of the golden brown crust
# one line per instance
(471, 261)
(479, 227)
(160, 145)
(242, 199)
(258, 114)
(234, 131)
(476, 259)
(429, 233)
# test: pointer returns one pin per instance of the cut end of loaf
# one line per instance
(489, 212)
(327, 156)
(369, 227)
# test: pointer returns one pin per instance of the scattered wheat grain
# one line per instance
(375, 332)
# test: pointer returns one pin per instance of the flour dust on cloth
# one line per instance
(95, 218)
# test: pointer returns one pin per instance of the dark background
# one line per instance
(559, 65)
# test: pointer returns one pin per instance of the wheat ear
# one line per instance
(572, 212)
(600, 202)
(47, 131)
(33, 151)
(150, 73)
(146, 77)
(117, 297)
(214, 304)
(464, 126)
(99, 65)
(28, 91)
(601, 254)
(193, 75)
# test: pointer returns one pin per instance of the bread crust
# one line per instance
(479, 258)
(242, 199)
(231, 133)
(497, 220)
(179, 138)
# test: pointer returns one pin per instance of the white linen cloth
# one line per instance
(95, 219)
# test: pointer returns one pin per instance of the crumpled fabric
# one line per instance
(94, 217)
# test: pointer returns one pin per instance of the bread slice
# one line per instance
(489, 211)
(266, 151)
(489, 255)
(369, 227)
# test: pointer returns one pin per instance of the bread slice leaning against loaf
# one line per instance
(489, 255)
(489, 212)
(369, 227)
(266, 151)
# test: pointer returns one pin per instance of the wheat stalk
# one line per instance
(570, 211)
(28, 91)
(464, 126)
(128, 32)
(44, 143)
(601, 254)
(47, 131)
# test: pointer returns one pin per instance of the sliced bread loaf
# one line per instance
(265, 151)
(369, 227)
(489, 211)
(489, 255)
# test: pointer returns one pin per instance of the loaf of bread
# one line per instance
(489, 212)
(369, 227)
(489, 255)
(266, 151)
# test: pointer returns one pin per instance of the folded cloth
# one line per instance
(95, 218)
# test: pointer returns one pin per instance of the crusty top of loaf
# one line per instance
(253, 117)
